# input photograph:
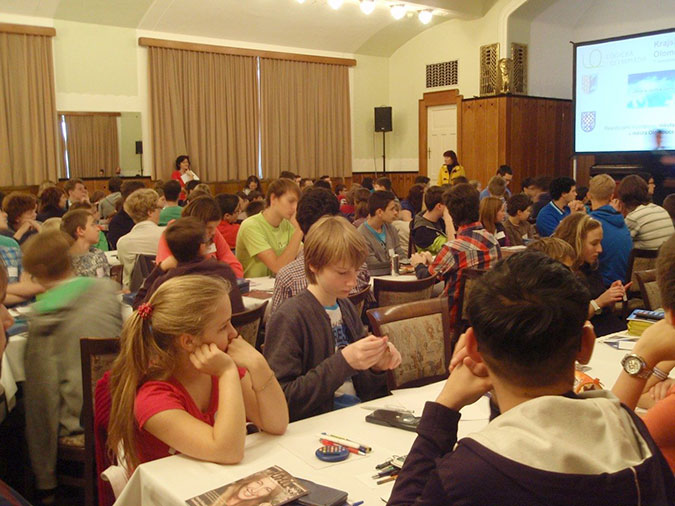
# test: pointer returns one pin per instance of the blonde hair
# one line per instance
(148, 348)
(573, 230)
(51, 224)
(330, 240)
(496, 186)
(489, 207)
(602, 187)
(200, 190)
(140, 204)
(553, 247)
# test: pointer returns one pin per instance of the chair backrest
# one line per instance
(97, 356)
(651, 295)
(411, 242)
(421, 332)
(358, 300)
(116, 273)
(640, 260)
(467, 278)
(248, 324)
(389, 292)
(143, 266)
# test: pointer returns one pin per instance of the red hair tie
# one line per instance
(145, 310)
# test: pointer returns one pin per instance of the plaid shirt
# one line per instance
(473, 247)
(12, 258)
(291, 280)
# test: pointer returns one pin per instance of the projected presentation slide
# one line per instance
(624, 92)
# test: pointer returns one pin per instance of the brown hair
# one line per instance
(279, 187)
(497, 186)
(70, 185)
(46, 255)
(17, 203)
(633, 192)
(199, 191)
(43, 186)
(181, 305)
(553, 247)
(665, 273)
(72, 220)
(184, 237)
(140, 204)
(573, 230)
(330, 240)
(361, 196)
(489, 207)
(602, 187)
(463, 202)
(50, 197)
(203, 207)
(87, 206)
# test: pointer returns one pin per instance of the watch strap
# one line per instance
(644, 373)
(596, 307)
(661, 375)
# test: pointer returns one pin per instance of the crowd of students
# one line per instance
(532, 317)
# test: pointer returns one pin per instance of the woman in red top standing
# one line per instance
(182, 167)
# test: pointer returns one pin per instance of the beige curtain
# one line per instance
(204, 105)
(92, 144)
(28, 138)
(305, 123)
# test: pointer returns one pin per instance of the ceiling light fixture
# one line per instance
(301, 1)
(398, 11)
(367, 6)
(425, 16)
(335, 4)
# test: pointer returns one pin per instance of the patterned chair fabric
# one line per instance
(640, 260)
(249, 331)
(651, 295)
(393, 292)
(248, 324)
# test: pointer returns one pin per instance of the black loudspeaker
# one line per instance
(383, 119)
(139, 147)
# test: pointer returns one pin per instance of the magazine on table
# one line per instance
(271, 487)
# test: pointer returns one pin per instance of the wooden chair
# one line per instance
(466, 280)
(248, 324)
(649, 289)
(97, 356)
(421, 332)
(359, 300)
(639, 260)
(390, 292)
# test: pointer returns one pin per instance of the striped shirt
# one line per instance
(473, 247)
(650, 226)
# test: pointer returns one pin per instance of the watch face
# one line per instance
(633, 365)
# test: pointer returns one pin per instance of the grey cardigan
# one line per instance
(300, 349)
(378, 259)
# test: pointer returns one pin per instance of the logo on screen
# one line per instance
(588, 121)
(589, 83)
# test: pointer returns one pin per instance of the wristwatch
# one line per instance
(636, 366)
(596, 307)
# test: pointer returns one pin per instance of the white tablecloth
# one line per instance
(112, 258)
(173, 480)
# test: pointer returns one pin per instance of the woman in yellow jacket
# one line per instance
(450, 170)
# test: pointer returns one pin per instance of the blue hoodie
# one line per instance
(616, 244)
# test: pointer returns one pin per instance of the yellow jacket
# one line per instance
(446, 177)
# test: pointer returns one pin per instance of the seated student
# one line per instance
(450, 170)
(348, 207)
(143, 239)
(616, 241)
(291, 279)
(21, 213)
(107, 206)
(656, 346)
(361, 196)
(316, 342)
(76, 191)
(252, 184)
(504, 172)
(271, 239)
(472, 246)
(121, 223)
(189, 188)
(171, 210)
(496, 187)
(367, 182)
(102, 242)
(528, 327)
(87, 260)
(187, 241)
(432, 228)
(423, 180)
(518, 229)
(382, 184)
(411, 206)
(229, 209)
(340, 193)
(255, 207)
(380, 235)
(305, 183)
(563, 194)
(669, 206)
(491, 213)
(206, 209)
(529, 187)
(542, 198)
(584, 234)
(650, 225)
(555, 248)
(71, 308)
(185, 382)
(52, 203)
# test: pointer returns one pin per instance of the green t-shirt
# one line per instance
(257, 235)
(8, 242)
(102, 242)
(168, 214)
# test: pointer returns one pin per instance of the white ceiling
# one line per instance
(312, 25)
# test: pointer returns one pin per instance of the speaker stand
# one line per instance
(384, 155)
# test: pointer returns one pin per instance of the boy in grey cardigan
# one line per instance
(71, 308)
(315, 343)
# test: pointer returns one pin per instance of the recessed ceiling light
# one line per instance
(367, 6)
(301, 1)
(425, 16)
(398, 11)
(335, 4)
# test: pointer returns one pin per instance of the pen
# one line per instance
(332, 443)
(346, 442)
(383, 465)
(386, 472)
(387, 479)
(358, 503)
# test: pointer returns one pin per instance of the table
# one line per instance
(112, 258)
(173, 480)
